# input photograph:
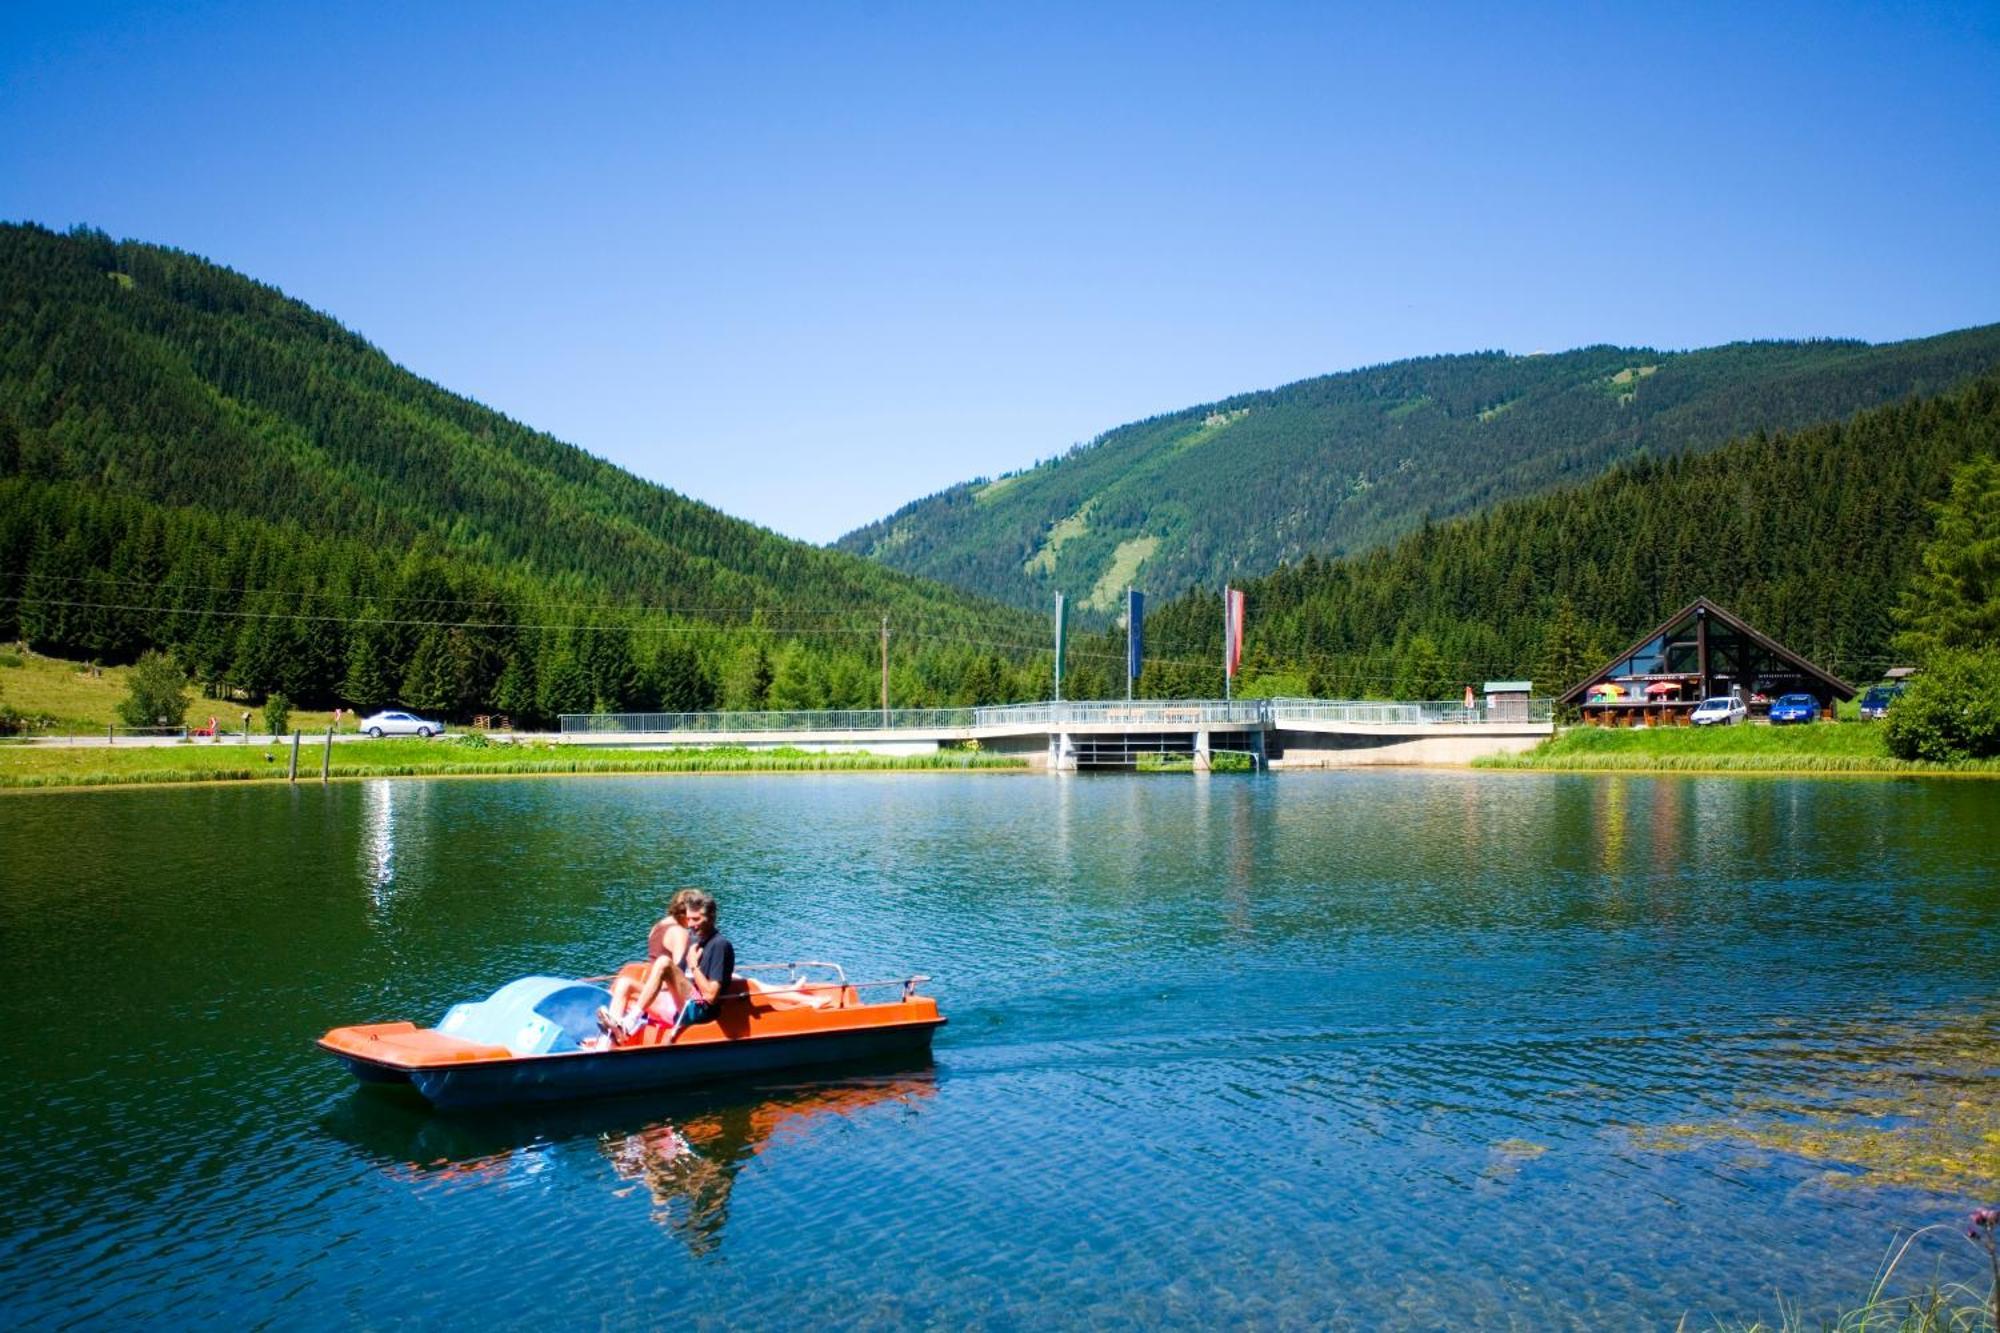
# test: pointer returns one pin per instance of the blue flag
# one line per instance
(1135, 632)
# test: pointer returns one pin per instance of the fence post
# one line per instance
(293, 776)
(326, 758)
(111, 734)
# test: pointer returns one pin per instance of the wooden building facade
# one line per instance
(1701, 651)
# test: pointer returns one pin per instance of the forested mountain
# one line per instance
(1813, 536)
(1343, 463)
(190, 460)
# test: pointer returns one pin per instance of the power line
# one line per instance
(541, 604)
(866, 623)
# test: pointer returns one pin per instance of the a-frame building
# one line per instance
(1698, 652)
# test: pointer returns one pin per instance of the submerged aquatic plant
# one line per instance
(1905, 1105)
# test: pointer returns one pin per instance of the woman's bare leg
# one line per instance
(642, 995)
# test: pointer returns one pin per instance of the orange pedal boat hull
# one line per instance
(749, 1036)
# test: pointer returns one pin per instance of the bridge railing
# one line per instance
(848, 719)
(1429, 712)
(1137, 714)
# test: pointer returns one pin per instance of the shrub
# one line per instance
(277, 713)
(1951, 712)
(155, 693)
(14, 723)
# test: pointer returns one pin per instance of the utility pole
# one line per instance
(885, 668)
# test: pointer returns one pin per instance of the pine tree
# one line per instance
(1565, 654)
(1423, 673)
(679, 684)
(849, 683)
(428, 684)
(514, 692)
(795, 683)
(562, 686)
(747, 683)
(605, 654)
(1953, 600)
(366, 685)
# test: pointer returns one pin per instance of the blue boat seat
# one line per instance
(532, 1016)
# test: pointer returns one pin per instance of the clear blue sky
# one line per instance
(808, 263)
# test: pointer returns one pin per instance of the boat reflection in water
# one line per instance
(688, 1166)
(684, 1151)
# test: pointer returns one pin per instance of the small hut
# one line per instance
(1698, 652)
(1507, 700)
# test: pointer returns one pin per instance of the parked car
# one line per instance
(1875, 704)
(1794, 708)
(400, 724)
(1719, 712)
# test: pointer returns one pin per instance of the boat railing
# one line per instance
(908, 983)
(793, 969)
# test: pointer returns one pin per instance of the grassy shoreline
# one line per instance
(43, 768)
(1830, 749)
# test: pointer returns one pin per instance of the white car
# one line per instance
(1719, 712)
(400, 724)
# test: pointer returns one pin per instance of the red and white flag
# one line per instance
(1232, 610)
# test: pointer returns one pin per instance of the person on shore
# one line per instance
(667, 942)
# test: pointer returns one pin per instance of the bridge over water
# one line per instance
(1280, 733)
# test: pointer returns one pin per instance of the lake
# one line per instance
(1348, 1049)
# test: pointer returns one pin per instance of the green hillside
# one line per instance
(1346, 462)
(188, 459)
(1814, 536)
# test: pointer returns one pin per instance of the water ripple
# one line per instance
(1342, 1050)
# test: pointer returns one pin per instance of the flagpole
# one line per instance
(1062, 624)
(1135, 637)
(1228, 678)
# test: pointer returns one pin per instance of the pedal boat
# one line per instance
(759, 1026)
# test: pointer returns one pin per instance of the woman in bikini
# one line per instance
(667, 945)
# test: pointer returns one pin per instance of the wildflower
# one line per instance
(1980, 1233)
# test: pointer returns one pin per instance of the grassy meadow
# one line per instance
(1818, 747)
(73, 698)
(229, 760)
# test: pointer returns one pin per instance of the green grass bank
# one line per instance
(1823, 747)
(23, 766)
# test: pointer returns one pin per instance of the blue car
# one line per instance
(1875, 704)
(1794, 708)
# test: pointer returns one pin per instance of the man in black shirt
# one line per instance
(687, 992)
(697, 989)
